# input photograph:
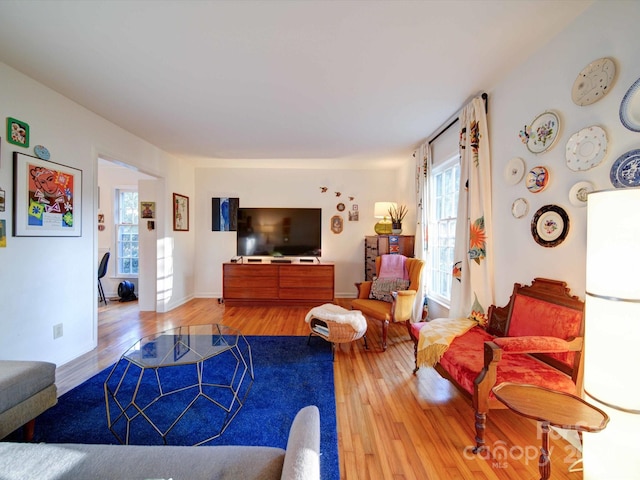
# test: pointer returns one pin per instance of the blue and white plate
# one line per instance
(625, 171)
(41, 152)
(630, 108)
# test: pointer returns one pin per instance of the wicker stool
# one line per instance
(336, 324)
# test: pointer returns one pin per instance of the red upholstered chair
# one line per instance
(399, 309)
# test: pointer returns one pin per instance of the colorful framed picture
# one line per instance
(17, 132)
(224, 214)
(148, 209)
(3, 234)
(180, 213)
(47, 198)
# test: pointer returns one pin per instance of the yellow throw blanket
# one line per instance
(437, 335)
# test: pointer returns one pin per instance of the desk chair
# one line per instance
(102, 271)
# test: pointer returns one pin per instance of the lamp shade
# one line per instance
(381, 209)
(612, 307)
(612, 332)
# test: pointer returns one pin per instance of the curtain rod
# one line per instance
(454, 118)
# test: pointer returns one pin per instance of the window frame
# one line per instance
(134, 230)
(441, 272)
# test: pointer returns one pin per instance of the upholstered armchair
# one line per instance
(400, 306)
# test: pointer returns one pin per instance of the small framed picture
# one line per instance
(180, 212)
(2, 194)
(17, 132)
(337, 224)
(148, 209)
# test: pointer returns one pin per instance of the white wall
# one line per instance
(46, 281)
(296, 188)
(50, 280)
(544, 82)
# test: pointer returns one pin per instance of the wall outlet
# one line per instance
(57, 331)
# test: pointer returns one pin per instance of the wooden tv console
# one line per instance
(264, 283)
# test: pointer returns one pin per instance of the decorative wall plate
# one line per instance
(586, 148)
(630, 108)
(340, 207)
(537, 179)
(542, 133)
(578, 193)
(42, 152)
(625, 171)
(514, 171)
(519, 208)
(550, 226)
(593, 82)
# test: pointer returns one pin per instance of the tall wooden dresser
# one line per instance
(376, 245)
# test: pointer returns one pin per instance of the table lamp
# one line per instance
(381, 210)
(612, 332)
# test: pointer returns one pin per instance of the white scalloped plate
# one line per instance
(586, 149)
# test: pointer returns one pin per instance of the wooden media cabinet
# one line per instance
(265, 283)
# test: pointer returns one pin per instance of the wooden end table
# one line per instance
(550, 408)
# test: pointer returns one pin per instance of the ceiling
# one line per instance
(297, 80)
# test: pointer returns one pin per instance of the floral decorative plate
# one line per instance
(550, 226)
(586, 148)
(593, 82)
(625, 171)
(542, 133)
(519, 208)
(514, 171)
(630, 108)
(579, 192)
(537, 179)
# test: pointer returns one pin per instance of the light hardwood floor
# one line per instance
(391, 424)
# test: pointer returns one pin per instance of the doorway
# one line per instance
(133, 249)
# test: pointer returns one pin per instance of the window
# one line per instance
(127, 233)
(443, 204)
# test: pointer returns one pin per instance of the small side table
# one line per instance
(551, 408)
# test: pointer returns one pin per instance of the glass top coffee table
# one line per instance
(188, 382)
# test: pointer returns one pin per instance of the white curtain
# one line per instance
(422, 159)
(473, 287)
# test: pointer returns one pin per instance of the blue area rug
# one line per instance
(289, 374)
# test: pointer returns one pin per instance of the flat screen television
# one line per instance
(290, 232)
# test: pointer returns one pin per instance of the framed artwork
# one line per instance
(47, 198)
(148, 209)
(337, 223)
(3, 234)
(17, 132)
(180, 212)
(224, 214)
(2, 202)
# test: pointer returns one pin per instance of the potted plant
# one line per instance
(397, 214)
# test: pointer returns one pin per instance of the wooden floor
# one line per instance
(391, 424)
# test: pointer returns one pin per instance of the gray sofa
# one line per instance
(26, 390)
(300, 461)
